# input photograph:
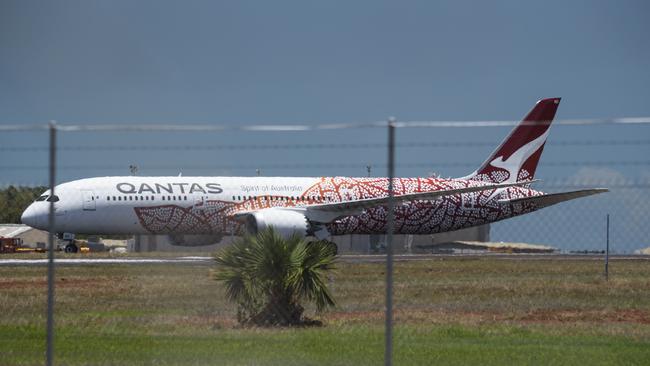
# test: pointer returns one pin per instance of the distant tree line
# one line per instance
(14, 200)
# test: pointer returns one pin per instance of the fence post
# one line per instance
(49, 354)
(388, 351)
(607, 251)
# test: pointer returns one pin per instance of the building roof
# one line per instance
(477, 245)
(501, 245)
(644, 251)
(13, 230)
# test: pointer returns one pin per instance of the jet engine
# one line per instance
(285, 222)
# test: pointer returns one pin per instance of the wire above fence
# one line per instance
(302, 166)
(314, 146)
(208, 127)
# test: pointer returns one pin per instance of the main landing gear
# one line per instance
(67, 242)
(71, 247)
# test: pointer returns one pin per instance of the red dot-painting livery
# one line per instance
(416, 217)
(420, 216)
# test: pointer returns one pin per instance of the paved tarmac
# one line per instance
(348, 258)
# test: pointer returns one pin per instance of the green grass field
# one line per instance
(448, 311)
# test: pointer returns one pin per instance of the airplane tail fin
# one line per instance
(515, 160)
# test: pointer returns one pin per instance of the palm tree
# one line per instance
(268, 277)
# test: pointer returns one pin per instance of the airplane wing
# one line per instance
(546, 200)
(327, 212)
(430, 195)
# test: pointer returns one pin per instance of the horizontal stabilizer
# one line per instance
(546, 200)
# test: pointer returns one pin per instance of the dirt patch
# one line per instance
(355, 316)
(419, 316)
(415, 316)
(567, 316)
(215, 322)
(60, 283)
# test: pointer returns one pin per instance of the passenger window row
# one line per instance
(279, 198)
(234, 198)
(145, 198)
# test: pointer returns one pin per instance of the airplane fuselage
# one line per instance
(208, 205)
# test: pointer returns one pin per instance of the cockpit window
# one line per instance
(54, 198)
(42, 198)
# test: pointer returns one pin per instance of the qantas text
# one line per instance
(171, 188)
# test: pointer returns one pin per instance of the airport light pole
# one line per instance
(388, 350)
(49, 354)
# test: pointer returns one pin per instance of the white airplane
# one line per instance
(200, 210)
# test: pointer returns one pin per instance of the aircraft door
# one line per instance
(198, 201)
(468, 201)
(88, 200)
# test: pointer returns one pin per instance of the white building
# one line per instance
(362, 244)
(31, 237)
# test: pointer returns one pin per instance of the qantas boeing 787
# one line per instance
(206, 208)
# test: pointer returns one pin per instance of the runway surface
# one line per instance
(348, 258)
(104, 261)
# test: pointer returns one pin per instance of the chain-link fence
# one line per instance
(579, 154)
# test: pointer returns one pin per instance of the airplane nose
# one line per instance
(31, 217)
(28, 217)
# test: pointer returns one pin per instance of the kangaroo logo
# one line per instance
(515, 161)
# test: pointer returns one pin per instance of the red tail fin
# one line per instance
(516, 158)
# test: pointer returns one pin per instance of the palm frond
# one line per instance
(268, 275)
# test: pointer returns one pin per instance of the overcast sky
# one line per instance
(263, 62)
(244, 62)
(281, 61)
